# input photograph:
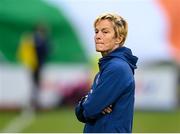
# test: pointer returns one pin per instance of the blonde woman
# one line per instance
(109, 105)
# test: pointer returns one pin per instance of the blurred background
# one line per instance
(48, 61)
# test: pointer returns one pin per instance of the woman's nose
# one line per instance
(98, 35)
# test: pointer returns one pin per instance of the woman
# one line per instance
(109, 105)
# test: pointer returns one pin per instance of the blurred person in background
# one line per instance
(33, 52)
(109, 105)
(41, 44)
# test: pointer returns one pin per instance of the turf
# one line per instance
(63, 120)
(5, 118)
(157, 122)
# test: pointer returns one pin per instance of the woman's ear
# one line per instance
(119, 39)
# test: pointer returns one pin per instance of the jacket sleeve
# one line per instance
(79, 109)
(113, 82)
(79, 112)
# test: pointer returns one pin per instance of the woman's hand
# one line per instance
(107, 110)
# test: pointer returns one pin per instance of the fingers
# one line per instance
(107, 110)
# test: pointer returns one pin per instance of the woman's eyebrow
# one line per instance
(105, 28)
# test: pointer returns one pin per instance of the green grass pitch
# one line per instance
(63, 120)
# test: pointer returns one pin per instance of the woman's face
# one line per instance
(105, 39)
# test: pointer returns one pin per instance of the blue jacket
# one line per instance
(113, 85)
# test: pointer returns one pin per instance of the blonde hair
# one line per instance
(120, 25)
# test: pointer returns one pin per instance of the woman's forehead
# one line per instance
(104, 24)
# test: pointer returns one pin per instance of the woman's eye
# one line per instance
(105, 32)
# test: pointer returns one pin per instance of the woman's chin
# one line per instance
(97, 50)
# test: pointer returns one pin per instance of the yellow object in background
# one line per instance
(26, 52)
(94, 65)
